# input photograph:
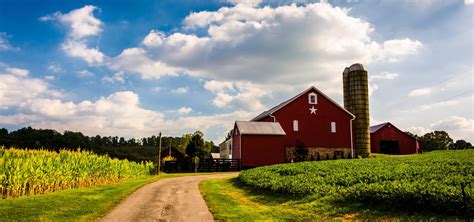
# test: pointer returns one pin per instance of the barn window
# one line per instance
(295, 125)
(312, 98)
(333, 127)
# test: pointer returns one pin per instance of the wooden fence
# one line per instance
(210, 165)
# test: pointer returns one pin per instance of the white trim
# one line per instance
(333, 127)
(295, 125)
(315, 98)
(297, 96)
(352, 143)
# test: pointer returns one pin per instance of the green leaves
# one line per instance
(429, 181)
(28, 172)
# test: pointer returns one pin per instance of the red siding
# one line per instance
(407, 144)
(236, 145)
(260, 150)
(314, 130)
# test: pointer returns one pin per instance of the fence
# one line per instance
(210, 165)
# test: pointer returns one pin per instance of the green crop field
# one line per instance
(439, 182)
(29, 172)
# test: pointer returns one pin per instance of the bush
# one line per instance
(439, 181)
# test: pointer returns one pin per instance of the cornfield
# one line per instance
(30, 172)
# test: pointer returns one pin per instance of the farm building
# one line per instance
(388, 139)
(310, 118)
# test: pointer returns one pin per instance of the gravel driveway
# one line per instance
(174, 199)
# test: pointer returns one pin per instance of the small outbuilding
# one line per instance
(387, 139)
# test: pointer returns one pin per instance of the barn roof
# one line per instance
(283, 104)
(376, 128)
(259, 128)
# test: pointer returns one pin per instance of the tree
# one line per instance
(195, 147)
(437, 140)
(461, 145)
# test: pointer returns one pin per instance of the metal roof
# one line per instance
(281, 105)
(375, 128)
(259, 128)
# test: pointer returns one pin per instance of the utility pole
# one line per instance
(159, 157)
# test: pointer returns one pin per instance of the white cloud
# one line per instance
(290, 45)
(153, 39)
(4, 43)
(458, 127)
(49, 77)
(136, 60)
(383, 76)
(13, 93)
(468, 2)
(118, 77)
(79, 49)
(156, 89)
(180, 90)
(184, 110)
(418, 130)
(251, 3)
(18, 71)
(55, 68)
(81, 21)
(218, 86)
(84, 73)
(420, 92)
(372, 89)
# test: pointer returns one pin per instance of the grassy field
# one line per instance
(82, 204)
(349, 189)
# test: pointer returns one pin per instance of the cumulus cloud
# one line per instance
(80, 49)
(289, 45)
(420, 92)
(13, 93)
(117, 114)
(17, 71)
(468, 2)
(458, 127)
(136, 60)
(81, 23)
(184, 110)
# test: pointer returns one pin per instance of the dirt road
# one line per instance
(174, 199)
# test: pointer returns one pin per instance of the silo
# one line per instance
(356, 101)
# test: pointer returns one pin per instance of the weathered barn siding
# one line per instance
(407, 144)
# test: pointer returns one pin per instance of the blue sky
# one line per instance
(134, 68)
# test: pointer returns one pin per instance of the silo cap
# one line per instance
(346, 70)
(357, 67)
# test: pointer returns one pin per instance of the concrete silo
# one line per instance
(356, 101)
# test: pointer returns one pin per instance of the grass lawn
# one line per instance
(230, 200)
(75, 204)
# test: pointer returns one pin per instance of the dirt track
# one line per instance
(174, 199)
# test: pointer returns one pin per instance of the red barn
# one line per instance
(310, 118)
(388, 139)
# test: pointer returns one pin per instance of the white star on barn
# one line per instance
(312, 110)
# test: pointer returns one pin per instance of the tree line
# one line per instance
(133, 149)
(440, 140)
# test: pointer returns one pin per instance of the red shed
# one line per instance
(310, 118)
(388, 139)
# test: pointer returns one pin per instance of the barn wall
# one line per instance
(408, 144)
(314, 130)
(236, 143)
(260, 150)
